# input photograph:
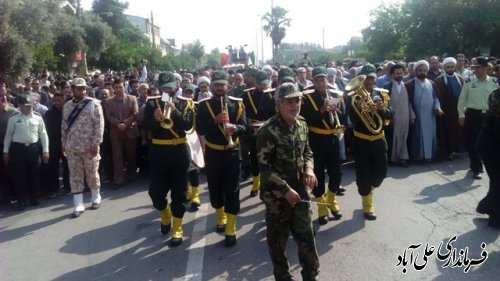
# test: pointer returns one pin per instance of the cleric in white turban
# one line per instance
(448, 60)
(419, 63)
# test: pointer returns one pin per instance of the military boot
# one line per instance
(333, 205)
(177, 232)
(230, 230)
(195, 198)
(322, 210)
(368, 210)
(166, 218)
(221, 220)
(255, 186)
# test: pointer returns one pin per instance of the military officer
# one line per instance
(22, 151)
(168, 117)
(286, 165)
(222, 120)
(369, 144)
(319, 110)
(82, 131)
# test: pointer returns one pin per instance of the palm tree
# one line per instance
(275, 26)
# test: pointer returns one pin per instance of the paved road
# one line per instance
(422, 204)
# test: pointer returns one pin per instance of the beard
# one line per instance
(422, 76)
(398, 78)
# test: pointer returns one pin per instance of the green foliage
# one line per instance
(196, 50)
(213, 59)
(421, 28)
(98, 35)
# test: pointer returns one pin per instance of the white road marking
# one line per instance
(194, 267)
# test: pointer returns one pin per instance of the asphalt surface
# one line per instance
(423, 204)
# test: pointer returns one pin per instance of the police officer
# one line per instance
(318, 110)
(222, 120)
(21, 150)
(286, 165)
(472, 108)
(369, 144)
(168, 117)
(251, 101)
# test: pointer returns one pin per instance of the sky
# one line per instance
(219, 23)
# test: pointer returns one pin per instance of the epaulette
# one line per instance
(36, 113)
(382, 90)
(249, 89)
(331, 86)
(338, 92)
(235, 98)
(309, 91)
(202, 100)
(308, 87)
(269, 90)
(15, 113)
(184, 98)
(300, 117)
(152, 97)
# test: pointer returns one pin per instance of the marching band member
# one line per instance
(323, 136)
(369, 144)
(251, 101)
(168, 117)
(221, 120)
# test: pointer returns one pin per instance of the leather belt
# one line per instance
(369, 137)
(169, 142)
(321, 131)
(221, 147)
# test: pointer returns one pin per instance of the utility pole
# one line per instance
(323, 38)
(153, 30)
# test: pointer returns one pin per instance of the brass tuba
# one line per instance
(363, 105)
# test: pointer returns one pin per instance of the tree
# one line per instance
(213, 59)
(275, 26)
(421, 28)
(196, 50)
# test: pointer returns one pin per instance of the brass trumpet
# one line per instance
(339, 128)
(366, 111)
(167, 123)
(224, 108)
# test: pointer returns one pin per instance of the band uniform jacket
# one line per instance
(208, 110)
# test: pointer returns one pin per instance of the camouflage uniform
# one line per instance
(85, 132)
(283, 155)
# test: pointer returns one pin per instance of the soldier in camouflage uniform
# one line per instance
(286, 165)
(81, 135)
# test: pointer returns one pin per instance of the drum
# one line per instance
(195, 148)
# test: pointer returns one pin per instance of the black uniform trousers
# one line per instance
(223, 173)
(326, 155)
(168, 171)
(370, 160)
(473, 123)
(194, 177)
(24, 161)
(252, 147)
(52, 181)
